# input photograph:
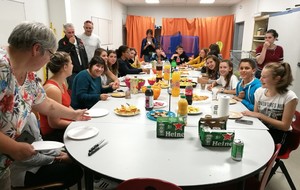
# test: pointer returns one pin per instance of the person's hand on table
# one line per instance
(103, 97)
(209, 87)
(241, 95)
(250, 113)
(237, 98)
(114, 85)
(81, 115)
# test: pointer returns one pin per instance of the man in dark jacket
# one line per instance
(74, 46)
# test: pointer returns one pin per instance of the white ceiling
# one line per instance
(179, 3)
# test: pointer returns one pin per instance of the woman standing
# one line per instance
(148, 46)
(30, 46)
(248, 85)
(268, 52)
(275, 104)
(61, 66)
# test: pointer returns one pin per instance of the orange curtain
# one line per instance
(136, 27)
(210, 30)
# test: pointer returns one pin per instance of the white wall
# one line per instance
(178, 12)
(246, 10)
(106, 9)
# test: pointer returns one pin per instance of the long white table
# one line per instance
(133, 150)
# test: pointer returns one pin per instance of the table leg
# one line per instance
(241, 185)
(88, 179)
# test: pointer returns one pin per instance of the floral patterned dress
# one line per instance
(15, 102)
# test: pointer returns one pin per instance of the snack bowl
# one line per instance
(140, 84)
(151, 81)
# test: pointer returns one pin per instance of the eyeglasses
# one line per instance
(51, 54)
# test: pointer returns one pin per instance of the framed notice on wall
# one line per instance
(103, 28)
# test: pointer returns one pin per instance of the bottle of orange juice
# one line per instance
(167, 70)
(182, 108)
(175, 84)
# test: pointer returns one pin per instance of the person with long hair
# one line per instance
(199, 61)
(123, 54)
(275, 104)
(268, 52)
(31, 44)
(87, 88)
(55, 87)
(214, 49)
(148, 46)
(112, 63)
(108, 78)
(134, 59)
(227, 79)
(211, 71)
(248, 84)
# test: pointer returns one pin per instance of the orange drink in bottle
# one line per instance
(167, 71)
(175, 84)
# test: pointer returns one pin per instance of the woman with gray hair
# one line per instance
(30, 46)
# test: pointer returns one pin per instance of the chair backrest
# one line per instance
(265, 176)
(147, 184)
(293, 139)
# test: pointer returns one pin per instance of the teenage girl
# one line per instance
(227, 79)
(275, 104)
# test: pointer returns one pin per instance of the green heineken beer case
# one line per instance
(212, 132)
(169, 127)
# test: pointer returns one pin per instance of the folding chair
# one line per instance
(293, 141)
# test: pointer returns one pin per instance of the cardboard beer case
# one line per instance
(212, 132)
(169, 127)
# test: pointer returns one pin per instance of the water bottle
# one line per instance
(149, 99)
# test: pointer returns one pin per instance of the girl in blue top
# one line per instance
(87, 89)
(247, 86)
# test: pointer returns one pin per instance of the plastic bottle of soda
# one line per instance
(167, 70)
(182, 108)
(189, 92)
(173, 66)
(175, 84)
(149, 99)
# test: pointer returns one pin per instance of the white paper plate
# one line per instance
(82, 132)
(232, 101)
(123, 84)
(195, 112)
(47, 145)
(97, 112)
(159, 104)
(235, 115)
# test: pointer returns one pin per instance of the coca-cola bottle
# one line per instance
(189, 92)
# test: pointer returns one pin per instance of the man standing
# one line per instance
(74, 46)
(91, 41)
